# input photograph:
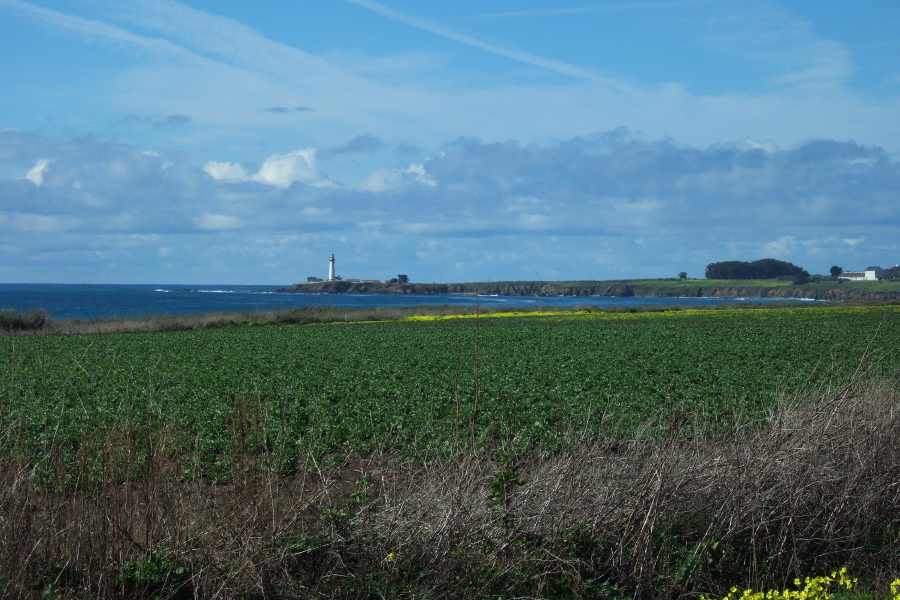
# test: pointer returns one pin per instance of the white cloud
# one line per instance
(315, 212)
(594, 194)
(278, 170)
(519, 203)
(36, 173)
(98, 29)
(34, 223)
(529, 221)
(419, 174)
(209, 221)
(186, 52)
(782, 247)
(767, 146)
(383, 180)
(225, 170)
(282, 170)
(765, 33)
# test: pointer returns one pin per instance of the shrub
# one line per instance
(12, 320)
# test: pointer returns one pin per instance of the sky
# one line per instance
(235, 142)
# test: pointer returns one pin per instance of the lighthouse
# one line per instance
(331, 268)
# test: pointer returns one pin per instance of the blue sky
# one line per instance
(225, 141)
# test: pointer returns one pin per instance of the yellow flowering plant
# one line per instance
(813, 588)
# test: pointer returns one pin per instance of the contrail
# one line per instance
(552, 12)
(97, 28)
(524, 57)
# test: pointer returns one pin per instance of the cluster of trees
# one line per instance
(766, 268)
(892, 274)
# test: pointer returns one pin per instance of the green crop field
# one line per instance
(514, 382)
(660, 454)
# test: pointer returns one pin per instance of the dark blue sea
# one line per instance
(89, 301)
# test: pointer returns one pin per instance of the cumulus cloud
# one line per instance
(225, 170)
(279, 170)
(36, 174)
(420, 175)
(621, 204)
(383, 180)
(282, 170)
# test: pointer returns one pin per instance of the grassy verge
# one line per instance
(34, 322)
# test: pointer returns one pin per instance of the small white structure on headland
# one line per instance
(870, 274)
(331, 268)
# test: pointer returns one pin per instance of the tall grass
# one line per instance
(37, 321)
(12, 320)
(661, 515)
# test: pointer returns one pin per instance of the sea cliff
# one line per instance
(823, 290)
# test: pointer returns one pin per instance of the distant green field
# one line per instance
(881, 286)
(821, 283)
(539, 382)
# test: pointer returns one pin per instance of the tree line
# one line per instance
(766, 268)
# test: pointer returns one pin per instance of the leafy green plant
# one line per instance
(159, 576)
(220, 399)
(338, 520)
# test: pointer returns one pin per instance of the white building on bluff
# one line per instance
(870, 274)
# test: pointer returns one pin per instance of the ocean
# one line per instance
(106, 301)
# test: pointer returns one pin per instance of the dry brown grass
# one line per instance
(816, 487)
(29, 323)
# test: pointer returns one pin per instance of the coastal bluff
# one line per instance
(662, 288)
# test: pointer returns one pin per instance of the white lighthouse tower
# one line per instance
(331, 268)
